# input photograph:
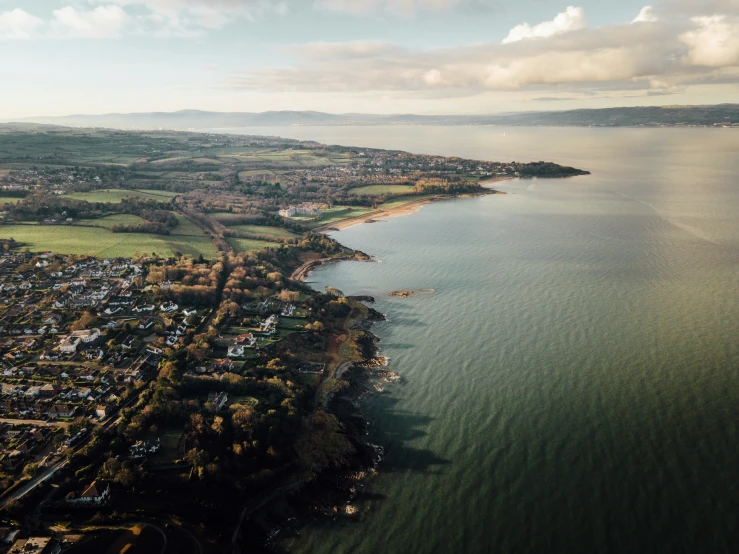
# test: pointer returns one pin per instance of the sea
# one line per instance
(571, 384)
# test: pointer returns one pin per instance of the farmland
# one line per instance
(378, 190)
(70, 239)
(274, 233)
(247, 245)
(338, 213)
(108, 221)
(115, 196)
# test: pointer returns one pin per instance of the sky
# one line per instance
(60, 57)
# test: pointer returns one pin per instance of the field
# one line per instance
(10, 199)
(374, 190)
(101, 243)
(338, 213)
(274, 233)
(108, 221)
(248, 245)
(169, 451)
(115, 196)
(402, 200)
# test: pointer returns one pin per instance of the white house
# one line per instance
(236, 351)
(94, 494)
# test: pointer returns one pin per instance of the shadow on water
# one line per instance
(399, 345)
(396, 433)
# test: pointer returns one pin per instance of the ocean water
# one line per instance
(572, 384)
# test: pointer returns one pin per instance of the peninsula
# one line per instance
(163, 362)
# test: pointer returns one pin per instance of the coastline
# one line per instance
(410, 207)
(405, 209)
(302, 272)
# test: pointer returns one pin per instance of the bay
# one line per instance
(571, 385)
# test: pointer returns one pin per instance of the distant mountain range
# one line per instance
(716, 115)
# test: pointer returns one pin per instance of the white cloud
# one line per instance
(571, 19)
(101, 22)
(714, 42)
(646, 15)
(663, 57)
(18, 24)
(405, 8)
(186, 15)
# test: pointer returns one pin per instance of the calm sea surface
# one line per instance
(572, 385)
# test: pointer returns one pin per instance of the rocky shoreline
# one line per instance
(327, 495)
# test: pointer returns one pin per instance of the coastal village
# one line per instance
(164, 368)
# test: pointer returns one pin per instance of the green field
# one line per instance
(248, 245)
(108, 221)
(115, 196)
(274, 233)
(338, 213)
(169, 451)
(102, 243)
(400, 201)
(10, 199)
(376, 190)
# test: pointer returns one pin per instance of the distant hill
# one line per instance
(717, 115)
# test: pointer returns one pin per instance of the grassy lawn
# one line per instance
(292, 323)
(274, 233)
(396, 202)
(248, 245)
(115, 196)
(108, 221)
(338, 213)
(374, 190)
(169, 451)
(102, 243)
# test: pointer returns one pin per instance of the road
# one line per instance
(39, 478)
(36, 422)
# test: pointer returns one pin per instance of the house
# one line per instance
(168, 307)
(69, 344)
(95, 493)
(101, 411)
(61, 410)
(236, 351)
(50, 390)
(127, 344)
(141, 449)
(217, 400)
(248, 340)
(94, 354)
(87, 335)
(269, 325)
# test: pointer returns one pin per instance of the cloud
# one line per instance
(184, 15)
(18, 24)
(646, 15)
(714, 42)
(662, 57)
(101, 22)
(405, 8)
(571, 19)
(66, 22)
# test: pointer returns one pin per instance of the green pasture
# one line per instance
(99, 242)
(379, 190)
(274, 233)
(248, 245)
(116, 196)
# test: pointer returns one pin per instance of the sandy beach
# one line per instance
(405, 209)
